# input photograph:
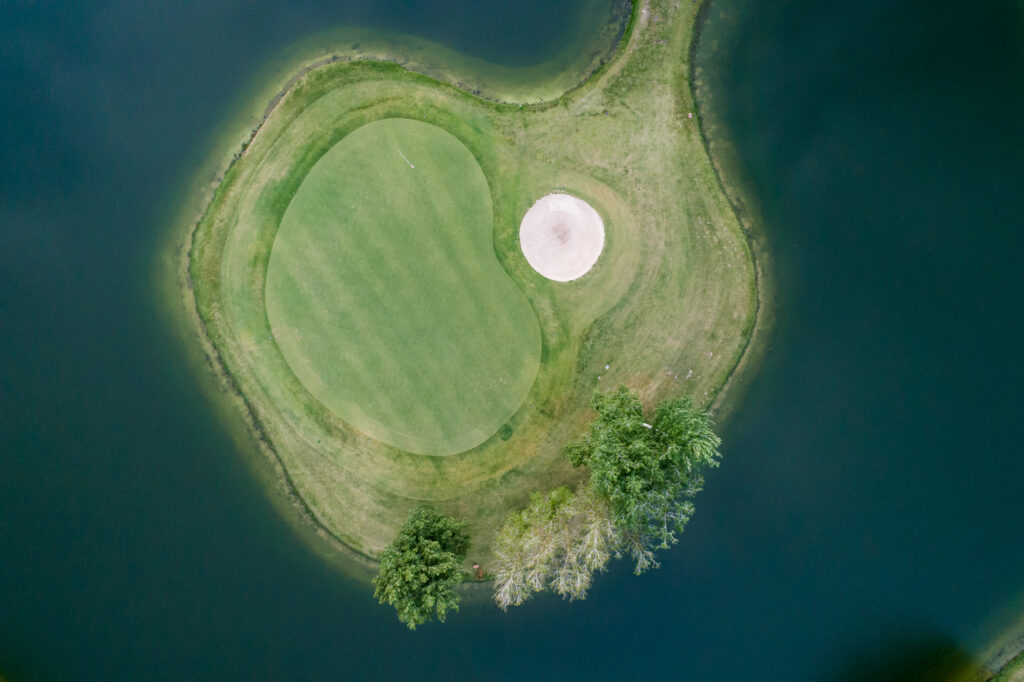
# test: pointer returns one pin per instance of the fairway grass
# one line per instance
(426, 362)
(385, 298)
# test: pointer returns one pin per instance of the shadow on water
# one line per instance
(910, 656)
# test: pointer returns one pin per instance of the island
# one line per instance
(412, 288)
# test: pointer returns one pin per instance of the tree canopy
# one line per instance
(647, 471)
(642, 478)
(420, 566)
(557, 542)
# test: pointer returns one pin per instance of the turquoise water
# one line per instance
(867, 508)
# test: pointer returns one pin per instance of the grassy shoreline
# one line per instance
(573, 358)
(1013, 671)
(748, 214)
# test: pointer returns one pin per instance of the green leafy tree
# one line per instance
(559, 541)
(649, 472)
(420, 566)
(643, 477)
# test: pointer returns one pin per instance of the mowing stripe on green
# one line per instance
(385, 296)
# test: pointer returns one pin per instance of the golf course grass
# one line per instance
(357, 281)
(386, 299)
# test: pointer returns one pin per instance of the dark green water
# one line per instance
(869, 506)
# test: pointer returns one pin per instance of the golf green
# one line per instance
(385, 296)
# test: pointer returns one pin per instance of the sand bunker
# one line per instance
(561, 237)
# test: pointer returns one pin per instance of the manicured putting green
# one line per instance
(386, 299)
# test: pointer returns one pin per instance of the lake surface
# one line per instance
(868, 508)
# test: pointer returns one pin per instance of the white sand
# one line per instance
(561, 237)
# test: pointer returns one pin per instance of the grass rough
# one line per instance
(668, 310)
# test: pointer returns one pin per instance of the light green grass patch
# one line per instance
(386, 299)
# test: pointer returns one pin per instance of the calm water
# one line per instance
(872, 489)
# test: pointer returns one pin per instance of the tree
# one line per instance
(642, 479)
(557, 542)
(420, 566)
(648, 472)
